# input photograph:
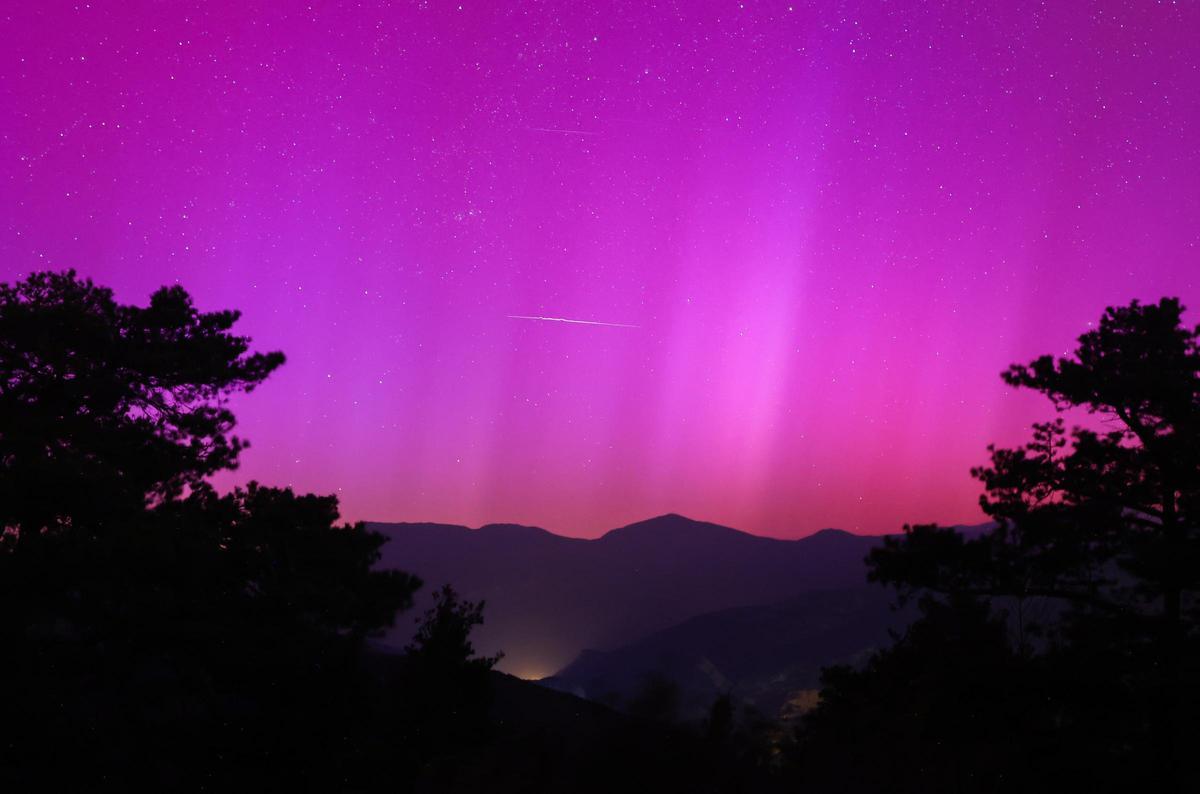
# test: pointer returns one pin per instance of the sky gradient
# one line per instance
(832, 226)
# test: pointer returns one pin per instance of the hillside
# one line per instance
(760, 655)
(549, 597)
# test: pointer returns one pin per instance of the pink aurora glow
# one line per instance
(832, 230)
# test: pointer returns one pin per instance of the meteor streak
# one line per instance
(561, 131)
(567, 320)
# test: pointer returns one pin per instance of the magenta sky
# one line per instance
(832, 223)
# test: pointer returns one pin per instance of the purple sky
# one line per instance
(833, 225)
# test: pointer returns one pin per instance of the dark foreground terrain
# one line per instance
(160, 635)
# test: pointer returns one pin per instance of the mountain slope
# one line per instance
(549, 597)
(761, 655)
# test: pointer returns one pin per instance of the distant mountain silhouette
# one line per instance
(549, 597)
(760, 655)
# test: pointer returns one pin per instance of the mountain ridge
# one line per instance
(761, 655)
(651, 523)
(548, 596)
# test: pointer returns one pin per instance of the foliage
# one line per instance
(444, 637)
(169, 635)
(1098, 532)
(444, 689)
(106, 408)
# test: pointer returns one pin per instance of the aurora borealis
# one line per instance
(830, 226)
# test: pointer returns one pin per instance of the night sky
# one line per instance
(830, 225)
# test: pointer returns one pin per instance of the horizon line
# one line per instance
(956, 524)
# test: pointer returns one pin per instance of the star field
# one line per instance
(832, 225)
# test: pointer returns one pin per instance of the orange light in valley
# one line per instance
(532, 674)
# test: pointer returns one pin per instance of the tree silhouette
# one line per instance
(171, 636)
(106, 408)
(1098, 527)
(947, 708)
(444, 637)
(159, 635)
